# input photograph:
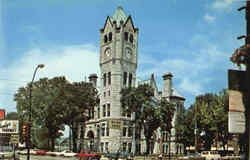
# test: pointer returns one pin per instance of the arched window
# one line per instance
(126, 36)
(131, 38)
(105, 39)
(104, 79)
(110, 36)
(130, 80)
(125, 78)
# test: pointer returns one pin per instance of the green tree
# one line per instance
(56, 102)
(166, 110)
(12, 116)
(150, 113)
(79, 100)
(205, 119)
(212, 118)
(221, 118)
(185, 127)
(45, 109)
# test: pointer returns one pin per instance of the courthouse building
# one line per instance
(109, 128)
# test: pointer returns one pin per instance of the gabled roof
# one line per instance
(176, 94)
(107, 19)
(129, 18)
(119, 16)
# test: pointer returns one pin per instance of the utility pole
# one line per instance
(246, 61)
(247, 40)
(195, 129)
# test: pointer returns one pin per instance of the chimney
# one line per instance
(167, 85)
(93, 79)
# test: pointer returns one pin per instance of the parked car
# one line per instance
(32, 151)
(88, 156)
(191, 156)
(49, 153)
(2, 155)
(210, 155)
(8, 155)
(67, 153)
(40, 152)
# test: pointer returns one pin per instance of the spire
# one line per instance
(119, 16)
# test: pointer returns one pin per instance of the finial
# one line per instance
(120, 7)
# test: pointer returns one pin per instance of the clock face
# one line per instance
(128, 53)
(107, 52)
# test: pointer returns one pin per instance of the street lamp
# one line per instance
(29, 125)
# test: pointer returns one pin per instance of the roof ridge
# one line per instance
(119, 15)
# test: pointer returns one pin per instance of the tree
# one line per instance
(166, 110)
(78, 101)
(185, 127)
(56, 102)
(45, 109)
(205, 119)
(150, 113)
(212, 118)
(12, 116)
(221, 118)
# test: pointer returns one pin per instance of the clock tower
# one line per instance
(118, 64)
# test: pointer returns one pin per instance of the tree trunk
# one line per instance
(147, 145)
(74, 137)
(48, 144)
(52, 144)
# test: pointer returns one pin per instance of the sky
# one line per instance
(191, 39)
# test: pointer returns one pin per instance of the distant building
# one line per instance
(109, 128)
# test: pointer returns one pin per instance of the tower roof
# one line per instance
(119, 16)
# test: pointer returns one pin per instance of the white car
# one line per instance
(6, 155)
(1, 155)
(68, 153)
(210, 155)
(53, 153)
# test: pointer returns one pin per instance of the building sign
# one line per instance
(2, 114)
(237, 88)
(236, 122)
(9, 126)
(115, 124)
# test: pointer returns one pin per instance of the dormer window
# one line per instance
(126, 36)
(131, 38)
(110, 36)
(105, 39)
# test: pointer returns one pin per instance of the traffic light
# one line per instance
(24, 130)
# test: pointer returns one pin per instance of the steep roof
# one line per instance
(119, 15)
(176, 94)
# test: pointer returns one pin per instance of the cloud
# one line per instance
(195, 69)
(222, 4)
(208, 18)
(75, 62)
(190, 86)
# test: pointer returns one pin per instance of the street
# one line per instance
(35, 157)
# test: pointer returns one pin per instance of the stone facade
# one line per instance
(118, 65)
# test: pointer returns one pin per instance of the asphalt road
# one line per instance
(32, 157)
